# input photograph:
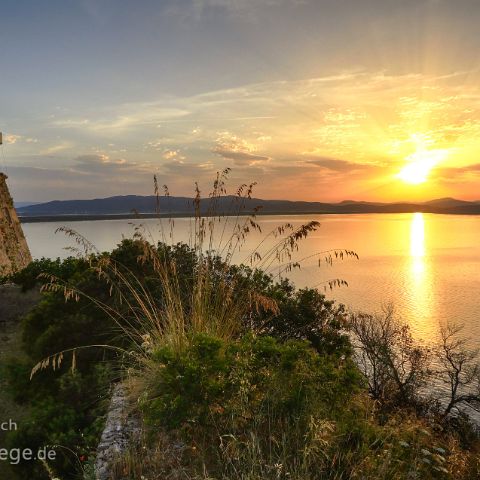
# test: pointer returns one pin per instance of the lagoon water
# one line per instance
(427, 265)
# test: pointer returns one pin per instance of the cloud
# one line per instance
(340, 165)
(116, 120)
(353, 125)
(239, 5)
(100, 164)
(242, 152)
(96, 167)
(11, 139)
(249, 10)
(456, 174)
(193, 171)
(98, 175)
(89, 176)
(240, 158)
(356, 115)
(56, 148)
(169, 154)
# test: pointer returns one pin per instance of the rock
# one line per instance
(121, 430)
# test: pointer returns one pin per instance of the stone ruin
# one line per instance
(14, 251)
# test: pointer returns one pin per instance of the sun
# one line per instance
(415, 173)
(420, 165)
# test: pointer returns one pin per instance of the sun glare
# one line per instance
(415, 173)
(420, 165)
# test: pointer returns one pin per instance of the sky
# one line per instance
(319, 100)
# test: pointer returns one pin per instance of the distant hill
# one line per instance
(126, 206)
(449, 203)
(24, 204)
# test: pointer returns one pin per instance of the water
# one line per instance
(426, 265)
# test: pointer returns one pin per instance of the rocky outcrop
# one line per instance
(121, 431)
(14, 252)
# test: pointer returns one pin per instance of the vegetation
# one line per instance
(236, 374)
(460, 369)
(109, 320)
(13, 304)
(395, 366)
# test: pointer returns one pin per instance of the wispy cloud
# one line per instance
(129, 116)
(249, 10)
(345, 127)
(340, 165)
(458, 174)
(240, 158)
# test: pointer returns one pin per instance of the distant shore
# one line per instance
(140, 216)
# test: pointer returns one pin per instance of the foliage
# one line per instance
(259, 408)
(395, 366)
(68, 420)
(459, 369)
(219, 393)
(215, 296)
(402, 373)
(212, 379)
(56, 325)
(303, 314)
(28, 277)
(65, 408)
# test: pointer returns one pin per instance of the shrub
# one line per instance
(395, 366)
(259, 408)
(28, 277)
(212, 378)
(215, 391)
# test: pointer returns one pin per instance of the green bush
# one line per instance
(259, 408)
(255, 383)
(28, 278)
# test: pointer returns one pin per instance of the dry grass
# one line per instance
(405, 448)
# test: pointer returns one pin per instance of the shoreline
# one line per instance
(140, 216)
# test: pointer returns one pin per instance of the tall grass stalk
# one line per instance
(218, 298)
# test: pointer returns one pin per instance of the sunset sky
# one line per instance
(314, 99)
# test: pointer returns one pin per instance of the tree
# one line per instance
(459, 368)
(395, 367)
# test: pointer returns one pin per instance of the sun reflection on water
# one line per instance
(417, 244)
(421, 288)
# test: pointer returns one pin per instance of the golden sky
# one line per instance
(315, 100)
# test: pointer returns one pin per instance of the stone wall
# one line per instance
(14, 251)
(122, 430)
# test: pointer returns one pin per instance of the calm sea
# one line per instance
(427, 265)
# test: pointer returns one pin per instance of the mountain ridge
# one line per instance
(130, 205)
